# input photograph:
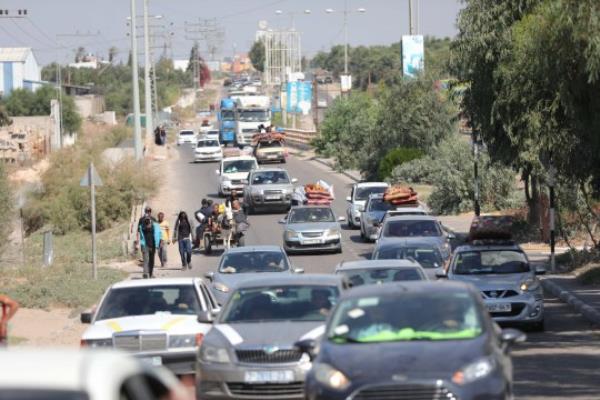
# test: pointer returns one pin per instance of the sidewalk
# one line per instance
(355, 175)
(583, 298)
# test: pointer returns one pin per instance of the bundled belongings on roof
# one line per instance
(318, 193)
(231, 152)
(491, 228)
(267, 137)
(400, 195)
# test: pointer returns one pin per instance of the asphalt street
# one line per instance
(560, 363)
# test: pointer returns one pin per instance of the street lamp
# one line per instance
(345, 12)
(293, 14)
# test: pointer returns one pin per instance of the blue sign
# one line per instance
(299, 97)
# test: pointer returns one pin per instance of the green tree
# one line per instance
(257, 55)
(396, 157)
(112, 54)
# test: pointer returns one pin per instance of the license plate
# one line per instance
(499, 307)
(272, 156)
(273, 197)
(155, 361)
(311, 241)
(268, 376)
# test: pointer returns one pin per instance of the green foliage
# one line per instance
(257, 55)
(449, 168)
(22, 102)
(6, 208)
(396, 157)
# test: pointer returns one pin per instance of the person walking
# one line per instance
(150, 238)
(183, 234)
(8, 309)
(201, 216)
(165, 238)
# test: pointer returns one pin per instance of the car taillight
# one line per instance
(199, 339)
(82, 343)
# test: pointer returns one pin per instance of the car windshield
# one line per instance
(208, 143)
(449, 316)
(312, 214)
(231, 167)
(269, 145)
(427, 256)
(212, 132)
(370, 276)
(186, 133)
(379, 205)
(148, 300)
(227, 115)
(490, 262)
(253, 261)
(281, 303)
(411, 228)
(362, 193)
(270, 177)
(42, 394)
(254, 115)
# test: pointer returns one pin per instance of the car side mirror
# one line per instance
(540, 270)
(209, 276)
(217, 172)
(298, 270)
(509, 337)
(341, 219)
(215, 311)
(441, 275)
(282, 221)
(86, 317)
(308, 346)
(451, 236)
(348, 198)
(294, 180)
(205, 317)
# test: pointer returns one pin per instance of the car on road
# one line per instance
(425, 251)
(250, 351)
(208, 150)
(411, 340)
(375, 210)
(65, 374)
(243, 263)
(505, 278)
(186, 136)
(312, 229)
(153, 319)
(398, 228)
(359, 194)
(268, 189)
(211, 134)
(233, 173)
(267, 152)
(370, 272)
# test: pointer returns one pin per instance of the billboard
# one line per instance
(346, 82)
(413, 55)
(299, 97)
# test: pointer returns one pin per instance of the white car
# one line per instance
(154, 319)
(208, 150)
(358, 198)
(233, 173)
(38, 374)
(212, 134)
(186, 136)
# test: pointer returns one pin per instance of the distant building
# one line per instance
(18, 70)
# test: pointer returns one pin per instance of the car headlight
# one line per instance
(184, 340)
(474, 371)
(289, 235)
(330, 377)
(529, 285)
(214, 354)
(333, 232)
(97, 343)
(221, 287)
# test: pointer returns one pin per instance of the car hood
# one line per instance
(236, 175)
(376, 362)
(494, 281)
(282, 334)
(272, 186)
(312, 226)
(170, 323)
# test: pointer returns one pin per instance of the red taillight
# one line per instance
(82, 343)
(199, 339)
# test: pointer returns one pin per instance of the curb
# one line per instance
(588, 312)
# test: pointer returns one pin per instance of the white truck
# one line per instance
(251, 112)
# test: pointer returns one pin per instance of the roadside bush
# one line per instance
(6, 208)
(450, 170)
(395, 158)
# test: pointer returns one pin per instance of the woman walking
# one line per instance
(184, 234)
(165, 232)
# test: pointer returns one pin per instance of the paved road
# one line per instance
(559, 363)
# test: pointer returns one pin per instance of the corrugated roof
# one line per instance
(14, 54)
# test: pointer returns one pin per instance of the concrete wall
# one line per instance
(30, 137)
(89, 105)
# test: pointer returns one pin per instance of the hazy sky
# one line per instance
(102, 23)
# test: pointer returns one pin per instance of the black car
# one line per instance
(413, 340)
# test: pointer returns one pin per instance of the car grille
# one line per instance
(516, 309)
(404, 392)
(267, 390)
(141, 342)
(499, 294)
(272, 192)
(262, 357)
(236, 182)
(312, 234)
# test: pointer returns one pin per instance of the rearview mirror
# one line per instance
(540, 270)
(308, 346)
(294, 180)
(509, 337)
(217, 172)
(282, 221)
(209, 276)
(441, 275)
(451, 236)
(348, 198)
(341, 219)
(298, 270)
(205, 317)
(86, 317)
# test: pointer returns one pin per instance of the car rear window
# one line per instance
(412, 228)
(370, 276)
(186, 133)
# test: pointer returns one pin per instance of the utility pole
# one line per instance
(475, 139)
(552, 184)
(410, 17)
(91, 180)
(137, 132)
(147, 85)
(346, 37)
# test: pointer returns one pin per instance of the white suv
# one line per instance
(233, 173)
(186, 136)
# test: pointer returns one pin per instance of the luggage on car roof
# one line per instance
(491, 228)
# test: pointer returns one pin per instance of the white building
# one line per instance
(18, 70)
